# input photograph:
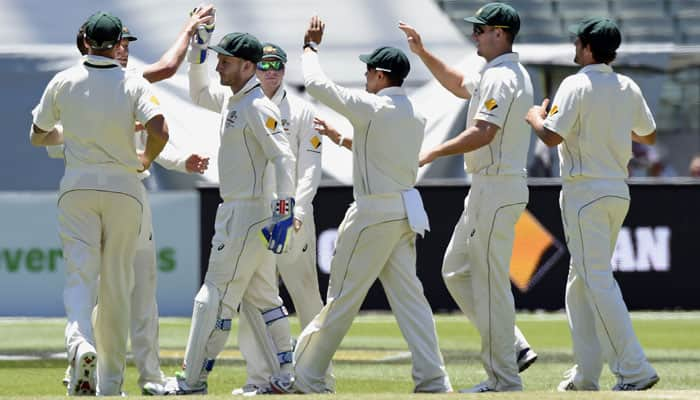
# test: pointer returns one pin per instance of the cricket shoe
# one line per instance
(568, 385)
(84, 371)
(644, 384)
(153, 389)
(177, 386)
(480, 388)
(66, 376)
(251, 389)
(526, 357)
(284, 384)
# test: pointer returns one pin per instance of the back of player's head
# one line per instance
(603, 36)
(390, 60)
(103, 31)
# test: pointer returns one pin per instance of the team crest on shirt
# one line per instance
(315, 142)
(491, 104)
(154, 100)
(231, 118)
(286, 125)
(271, 123)
(553, 110)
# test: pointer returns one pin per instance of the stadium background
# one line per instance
(655, 257)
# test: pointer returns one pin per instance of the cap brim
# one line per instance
(475, 20)
(574, 28)
(220, 50)
(130, 38)
(275, 56)
(364, 58)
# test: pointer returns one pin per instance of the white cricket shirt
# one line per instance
(595, 111)
(251, 137)
(502, 97)
(98, 105)
(388, 131)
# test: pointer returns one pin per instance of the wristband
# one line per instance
(340, 140)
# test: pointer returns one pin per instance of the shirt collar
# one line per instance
(605, 68)
(279, 95)
(392, 91)
(101, 60)
(250, 85)
(503, 58)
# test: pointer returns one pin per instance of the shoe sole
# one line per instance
(85, 368)
(526, 364)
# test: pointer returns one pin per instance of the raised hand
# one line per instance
(415, 43)
(314, 33)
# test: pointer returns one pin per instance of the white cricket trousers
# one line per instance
(476, 270)
(99, 231)
(144, 306)
(592, 213)
(240, 267)
(374, 241)
(298, 271)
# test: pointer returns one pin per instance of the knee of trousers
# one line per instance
(208, 301)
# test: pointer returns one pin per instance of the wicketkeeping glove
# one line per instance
(199, 43)
(278, 234)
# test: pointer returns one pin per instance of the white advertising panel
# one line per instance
(31, 263)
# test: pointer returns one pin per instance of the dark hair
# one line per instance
(394, 78)
(602, 53)
(80, 40)
(510, 35)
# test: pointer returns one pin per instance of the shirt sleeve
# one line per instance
(470, 81)
(353, 104)
(496, 97)
(564, 111)
(47, 114)
(308, 162)
(146, 103)
(264, 121)
(171, 158)
(202, 92)
(644, 123)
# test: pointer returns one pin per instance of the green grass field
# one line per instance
(373, 362)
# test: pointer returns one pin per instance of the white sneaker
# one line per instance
(66, 376)
(83, 373)
(178, 386)
(480, 388)
(284, 385)
(250, 389)
(567, 384)
(526, 357)
(644, 384)
(153, 389)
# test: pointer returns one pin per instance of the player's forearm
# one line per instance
(171, 159)
(171, 60)
(284, 167)
(548, 137)
(450, 78)
(307, 186)
(158, 136)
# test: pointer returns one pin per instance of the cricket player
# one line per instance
(595, 116)
(495, 143)
(144, 307)
(100, 198)
(297, 267)
(376, 239)
(240, 267)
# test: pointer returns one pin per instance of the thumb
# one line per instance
(545, 103)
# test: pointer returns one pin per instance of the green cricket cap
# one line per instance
(103, 30)
(498, 15)
(271, 50)
(241, 45)
(389, 59)
(602, 33)
(126, 34)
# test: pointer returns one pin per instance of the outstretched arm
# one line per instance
(448, 77)
(326, 129)
(170, 60)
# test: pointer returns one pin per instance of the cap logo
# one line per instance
(490, 104)
(271, 123)
(269, 49)
(478, 12)
(553, 110)
(315, 142)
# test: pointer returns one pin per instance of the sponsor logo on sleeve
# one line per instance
(154, 100)
(491, 104)
(553, 110)
(271, 123)
(315, 142)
